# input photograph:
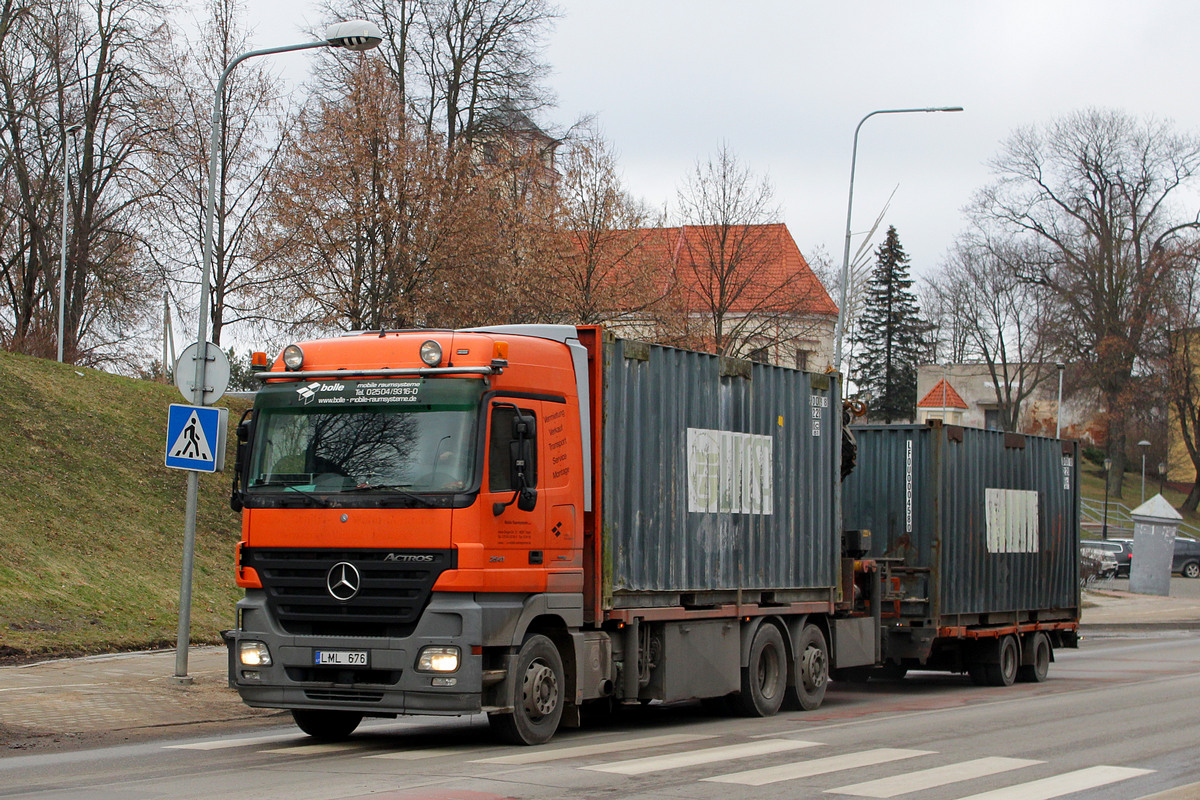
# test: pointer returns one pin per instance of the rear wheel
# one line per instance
(1005, 672)
(537, 695)
(328, 726)
(1191, 569)
(764, 678)
(811, 673)
(1037, 671)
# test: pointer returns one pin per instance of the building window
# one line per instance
(761, 355)
(991, 419)
(802, 357)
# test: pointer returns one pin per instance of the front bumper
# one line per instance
(389, 685)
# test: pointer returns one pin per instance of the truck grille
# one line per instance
(390, 598)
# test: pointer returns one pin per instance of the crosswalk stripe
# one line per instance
(640, 766)
(316, 749)
(1059, 785)
(223, 744)
(932, 778)
(539, 755)
(817, 766)
(429, 752)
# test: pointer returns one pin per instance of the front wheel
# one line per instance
(328, 726)
(536, 697)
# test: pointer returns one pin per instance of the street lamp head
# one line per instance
(1107, 464)
(355, 35)
(1143, 443)
(74, 129)
(947, 108)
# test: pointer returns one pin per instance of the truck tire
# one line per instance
(1005, 672)
(537, 695)
(811, 673)
(764, 679)
(328, 726)
(1039, 648)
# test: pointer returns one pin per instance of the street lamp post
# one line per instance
(1058, 408)
(841, 319)
(357, 35)
(1104, 526)
(62, 250)
(1143, 444)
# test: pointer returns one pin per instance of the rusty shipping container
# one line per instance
(718, 479)
(983, 525)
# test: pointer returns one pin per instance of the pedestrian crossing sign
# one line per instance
(196, 437)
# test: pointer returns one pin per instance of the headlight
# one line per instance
(438, 658)
(254, 654)
(293, 357)
(431, 353)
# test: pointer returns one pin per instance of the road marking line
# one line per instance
(222, 744)
(1059, 785)
(932, 778)
(818, 766)
(305, 749)
(599, 748)
(640, 766)
(429, 752)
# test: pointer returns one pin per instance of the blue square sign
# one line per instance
(196, 438)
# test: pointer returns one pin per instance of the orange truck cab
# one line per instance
(414, 508)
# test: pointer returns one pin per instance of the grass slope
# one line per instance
(91, 522)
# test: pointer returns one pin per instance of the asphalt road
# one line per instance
(1116, 720)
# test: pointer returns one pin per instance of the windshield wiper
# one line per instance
(401, 489)
(289, 487)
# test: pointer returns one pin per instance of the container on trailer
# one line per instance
(718, 479)
(983, 525)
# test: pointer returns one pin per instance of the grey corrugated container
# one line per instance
(656, 549)
(923, 493)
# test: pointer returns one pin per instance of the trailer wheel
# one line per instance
(1005, 672)
(764, 679)
(811, 673)
(537, 695)
(1037, 671)
(328, 726)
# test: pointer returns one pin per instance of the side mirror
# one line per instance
(520, 462)
(240, 458)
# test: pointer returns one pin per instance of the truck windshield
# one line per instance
(359, 436)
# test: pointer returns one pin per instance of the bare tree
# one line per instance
(1183, 362)
(1094, 190)
(604, 272)
(1002, 321)
(248, 144)
(735, 298)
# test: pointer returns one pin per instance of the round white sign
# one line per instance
(216, 373)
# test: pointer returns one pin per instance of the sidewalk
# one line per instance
(112, 699)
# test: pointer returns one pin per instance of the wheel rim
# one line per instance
(814, 670)
(1192, 570)
(539, 690)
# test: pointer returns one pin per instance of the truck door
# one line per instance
(512, 484)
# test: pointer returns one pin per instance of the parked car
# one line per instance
(1095, 564)
(1187, 558)
(1121, 549)
(1105, 553)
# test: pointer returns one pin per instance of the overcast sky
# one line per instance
(784, 82)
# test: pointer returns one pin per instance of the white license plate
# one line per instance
(341, 658)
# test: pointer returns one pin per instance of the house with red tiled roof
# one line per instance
(744, 291)
(941, 402)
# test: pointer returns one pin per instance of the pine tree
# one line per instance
(889, 336)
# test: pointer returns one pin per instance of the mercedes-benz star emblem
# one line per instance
(343, 581)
